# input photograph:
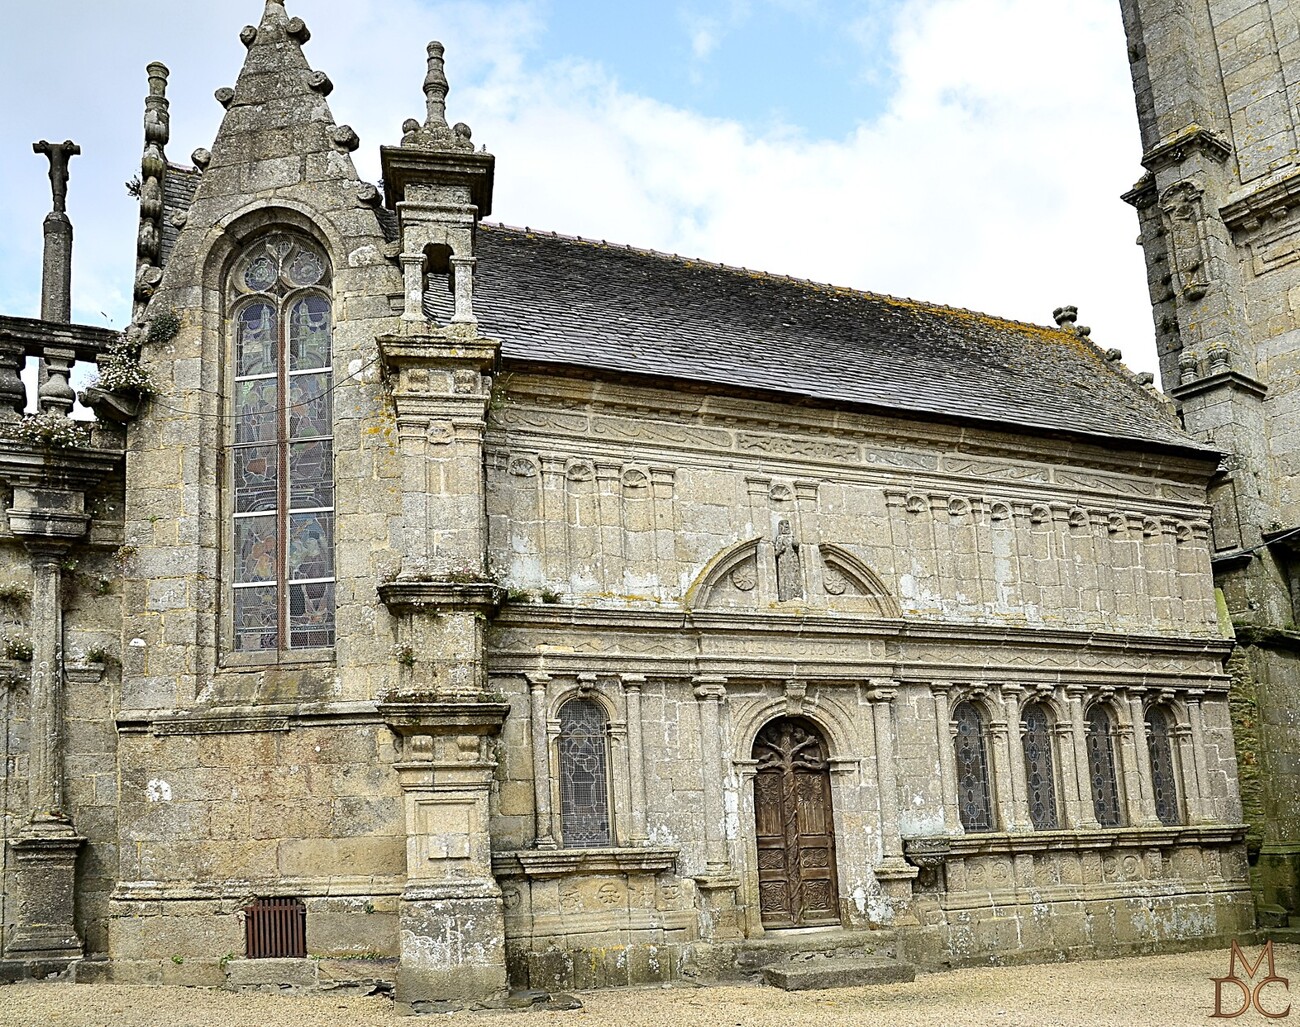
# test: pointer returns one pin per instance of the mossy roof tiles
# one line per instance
(610, 308)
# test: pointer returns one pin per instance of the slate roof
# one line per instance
(611, 308)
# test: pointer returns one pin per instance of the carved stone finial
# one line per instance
(319, 82)
(345, 138)
(435, 133)
(368, 195)
(59, 154)
(225, 96)
(157, 72)
(201, 158)
(248, 35)
(435, 89)
(297, 30)
(1065, 315)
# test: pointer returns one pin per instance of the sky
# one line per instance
(966, 152)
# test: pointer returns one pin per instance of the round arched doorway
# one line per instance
(794, 827)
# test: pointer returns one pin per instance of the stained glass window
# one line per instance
(281, 462)
(584, 774)
(1162, 766)
(1039, 774)
(1101, 767)
(973, 800)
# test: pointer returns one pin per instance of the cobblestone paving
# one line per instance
(1168, 991)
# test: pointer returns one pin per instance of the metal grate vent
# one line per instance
(275, 929)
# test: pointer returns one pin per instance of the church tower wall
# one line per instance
(1218, 102)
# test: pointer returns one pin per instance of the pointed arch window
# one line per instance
(1160, 751)
(280, 461)
(1100, 743)
(583, 751)
(974, 803)
(1040, 776)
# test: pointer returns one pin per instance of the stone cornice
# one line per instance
(418, 717)
(560, 395)
(246, 719)
(1271, 200)
(968, 845)
(1182, 144)
(428, 346)
(34, 335)
(540, 863)
(1233, 380)
(409, 595)
(838, 624)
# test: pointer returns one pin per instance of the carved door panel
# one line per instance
(794, 828)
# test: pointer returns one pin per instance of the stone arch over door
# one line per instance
(794, 826)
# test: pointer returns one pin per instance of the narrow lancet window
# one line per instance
(1161, 753)
(1039, 772)
(973, 793)
(281, 453)
(1101, 767)
(584, 774)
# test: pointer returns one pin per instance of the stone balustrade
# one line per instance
(57, 347)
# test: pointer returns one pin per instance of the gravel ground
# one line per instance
(1154, 991)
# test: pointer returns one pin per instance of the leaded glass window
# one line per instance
(1162, 766)
(973, 800)
(1101, 767)
(281, 463)
(583, 751)
(1039, 775)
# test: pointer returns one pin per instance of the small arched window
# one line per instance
(280, 461)
(583, 751)
(973, 798)
(1039, 772)
(1099, 736)
(1161, 752)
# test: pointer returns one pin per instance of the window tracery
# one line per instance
(973, 793)
(1039, 771)
(281, 469)
(583, 758)
(1099, 737)
(1160, 752)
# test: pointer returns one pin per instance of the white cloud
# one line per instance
(990, 180)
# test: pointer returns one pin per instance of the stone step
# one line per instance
(838, 972)
(1282, 935)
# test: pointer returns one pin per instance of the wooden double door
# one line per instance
(794, 827)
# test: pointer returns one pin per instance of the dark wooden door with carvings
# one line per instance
(796, 835)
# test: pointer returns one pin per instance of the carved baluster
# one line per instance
(13, 395)
(55, 394)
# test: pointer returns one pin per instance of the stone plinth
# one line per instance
(450, 916)
(45, 931)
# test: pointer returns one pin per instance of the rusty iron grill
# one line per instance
(275, 929)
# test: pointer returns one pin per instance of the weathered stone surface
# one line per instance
(844, 972)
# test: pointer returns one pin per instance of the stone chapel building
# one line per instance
(506, 608)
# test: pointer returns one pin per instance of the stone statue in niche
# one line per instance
(789, 575)
(1183, 207)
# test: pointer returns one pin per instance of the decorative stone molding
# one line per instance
(927, 853)
(537, 863)
(414, 595)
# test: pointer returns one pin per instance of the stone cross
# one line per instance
(59, 155)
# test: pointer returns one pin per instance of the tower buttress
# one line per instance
(1217, 85)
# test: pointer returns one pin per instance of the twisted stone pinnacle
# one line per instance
(435, 89)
